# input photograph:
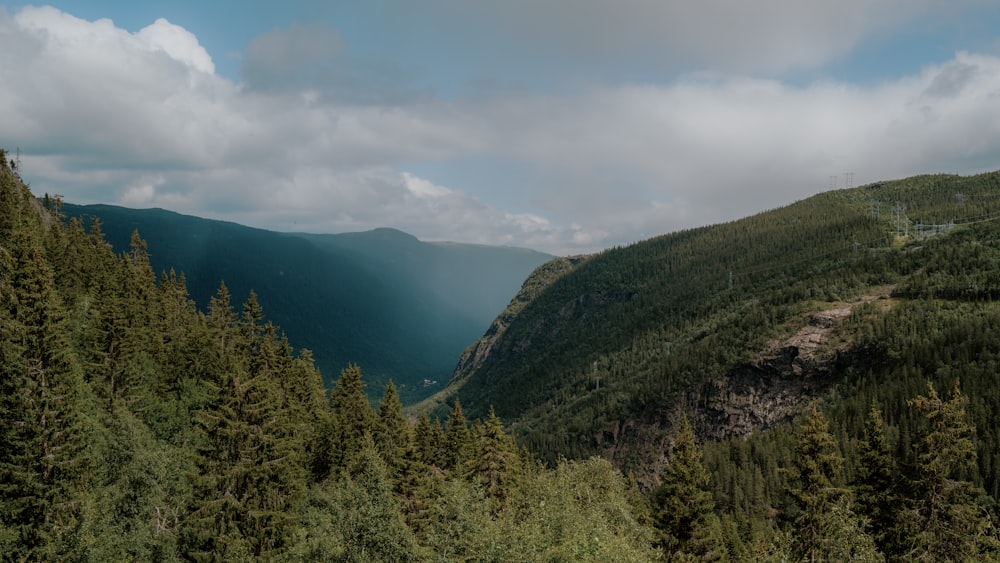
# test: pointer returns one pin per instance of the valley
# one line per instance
(700, 394)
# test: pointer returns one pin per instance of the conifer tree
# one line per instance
(306, 401)
(457, 440)
(352, 418)
(45, 459)
(428, 441)
(875, 487)
(393, 434)
(496, 464)
(826, 522)
(947, 521)
(682, 504)
(252, 472)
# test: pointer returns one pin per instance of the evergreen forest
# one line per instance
(658, 404)
(405, 312)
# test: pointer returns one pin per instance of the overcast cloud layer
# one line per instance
(317, 135)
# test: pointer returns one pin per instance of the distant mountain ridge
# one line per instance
(399, 307)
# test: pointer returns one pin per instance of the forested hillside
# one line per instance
(836, 406)
(403, 308)
(859, 299)
(136, 427)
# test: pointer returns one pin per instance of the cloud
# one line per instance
(104, 115)
(315, 57)
(723, 35)
(638, 160)
(178, 43)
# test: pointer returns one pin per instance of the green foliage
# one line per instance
(457, 440)
(875, 486)
(826, 527)
(577, 512)
(134, 426)
(402, 308)
(946, 523)
(355, 518)
(682, 504)
(351, 419)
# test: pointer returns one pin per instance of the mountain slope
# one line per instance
(399, 307)
(606, 358)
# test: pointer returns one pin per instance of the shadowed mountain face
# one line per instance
(398, 307)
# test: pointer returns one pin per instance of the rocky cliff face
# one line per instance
(785, 378)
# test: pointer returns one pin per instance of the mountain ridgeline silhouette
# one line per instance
(401, 308)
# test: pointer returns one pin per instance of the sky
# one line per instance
(567, 126)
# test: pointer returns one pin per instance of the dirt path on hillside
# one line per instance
(817, 333)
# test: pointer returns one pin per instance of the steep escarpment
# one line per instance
(478, 352)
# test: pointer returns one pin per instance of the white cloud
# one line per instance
(142, 192)
(716, 147)
(177, 42)
(104, 115)
(423, 188)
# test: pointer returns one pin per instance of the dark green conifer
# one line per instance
(947, 522)
(44, 459)
(496, 463)
(352, 418)
(428, 441)
(826, 523)
(682, 504)
(457, 440)
(252, 471)
(393, 433)
(875, 487)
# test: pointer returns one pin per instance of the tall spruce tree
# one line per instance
(826, 525)
(496, 464)
(875, 485)
(682, 503)
(947, 522)
(393, 434)
(252, 472)
(457, 440)
(45, 460)
(352, 418)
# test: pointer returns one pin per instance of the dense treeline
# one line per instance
(135, 427)
(627, 334)
(608, 356)
(406, 311)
